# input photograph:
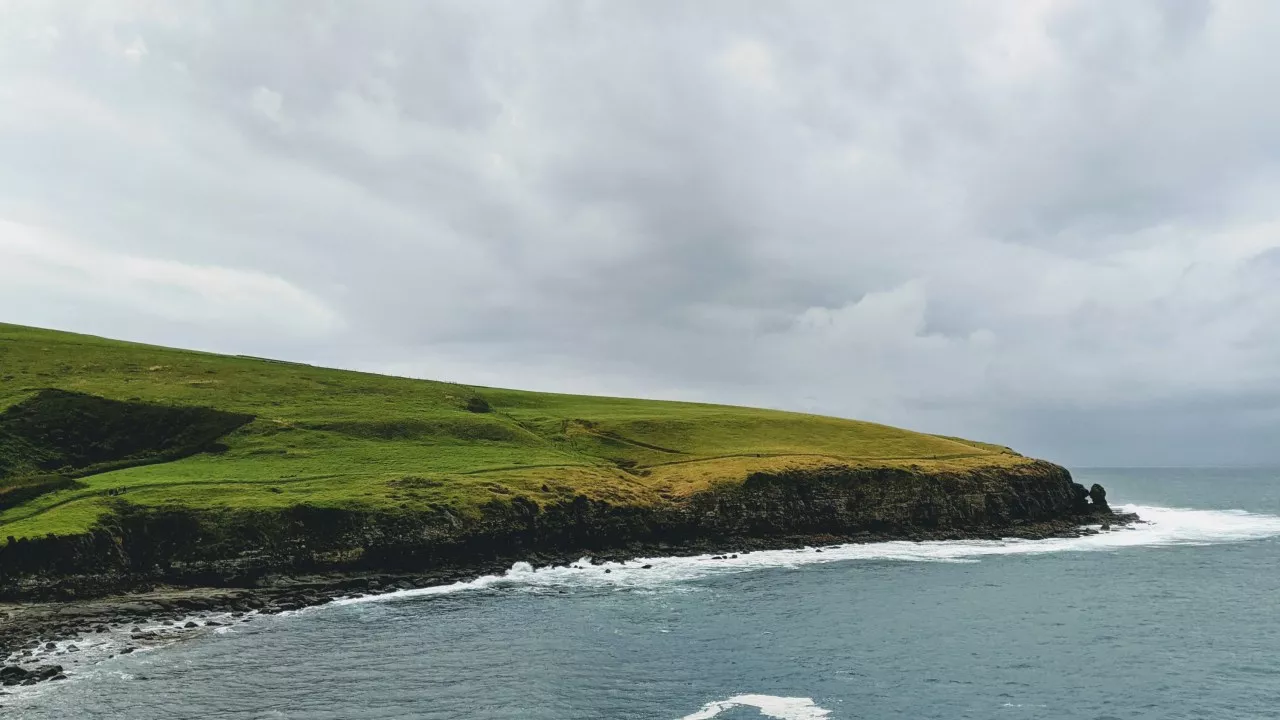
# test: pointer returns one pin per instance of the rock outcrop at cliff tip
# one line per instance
(1098, 495)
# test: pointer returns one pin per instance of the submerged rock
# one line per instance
(13, 675)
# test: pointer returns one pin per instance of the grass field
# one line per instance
(316, 436)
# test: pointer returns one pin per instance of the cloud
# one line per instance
(267, 102)
(37, 265)
(751, 63)
(993, 220)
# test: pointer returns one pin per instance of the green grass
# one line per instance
(337, 438)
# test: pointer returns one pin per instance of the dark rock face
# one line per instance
(13, 675)
(136, 547)
(1098, 495)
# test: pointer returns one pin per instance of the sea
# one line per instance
(1178, 617)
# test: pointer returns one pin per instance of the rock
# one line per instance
(51, 646)
(190, 625)
(647, 567)
(73, 648)
(1098, 495)
(59, 676)
(14, 675)
(1106, 525)
(1080, 498)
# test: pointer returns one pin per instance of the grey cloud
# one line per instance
(998, 220)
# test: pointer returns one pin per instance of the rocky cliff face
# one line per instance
(136, 546)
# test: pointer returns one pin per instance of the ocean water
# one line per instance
(1178, 618)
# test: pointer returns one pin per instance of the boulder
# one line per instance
(1080, 497)
(1098, 495)
(14, 675)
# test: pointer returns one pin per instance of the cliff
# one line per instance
(138, 548)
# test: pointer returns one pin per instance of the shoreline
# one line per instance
(36, 636)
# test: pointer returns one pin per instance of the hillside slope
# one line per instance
(95, 430)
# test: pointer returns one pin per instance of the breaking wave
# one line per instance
(770, 706)
(1161, 526)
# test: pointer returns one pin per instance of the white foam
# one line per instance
(1162, 526)
(770, 706)
(93, 648)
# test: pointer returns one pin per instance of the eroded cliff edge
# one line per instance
(136, 549)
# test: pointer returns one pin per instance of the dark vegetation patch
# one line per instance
(478, 404)
(57, 432)
(17, 490)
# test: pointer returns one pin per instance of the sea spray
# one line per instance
(770, 706)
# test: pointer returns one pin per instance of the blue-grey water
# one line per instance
(1176, 619)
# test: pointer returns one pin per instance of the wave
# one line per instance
(1161, 526)
(770, 706)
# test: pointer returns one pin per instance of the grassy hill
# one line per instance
(87, 423)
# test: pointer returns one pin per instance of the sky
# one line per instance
(1049, 224)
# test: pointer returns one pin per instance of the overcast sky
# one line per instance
(1050, 224)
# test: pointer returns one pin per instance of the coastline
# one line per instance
(35, 635)
(147, 578)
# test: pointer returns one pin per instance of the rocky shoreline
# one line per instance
(146, 576)
(37, 637)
